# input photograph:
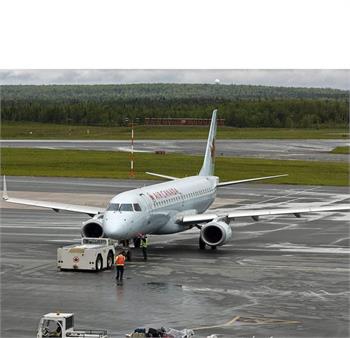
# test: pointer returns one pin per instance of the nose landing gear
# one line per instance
(137, 242)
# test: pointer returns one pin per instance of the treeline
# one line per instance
(240, 106)
(167, 91)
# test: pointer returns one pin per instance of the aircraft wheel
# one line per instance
(213, 247)
(201, 243)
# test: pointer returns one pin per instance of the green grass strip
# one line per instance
(33, 130)
(341, 150)
(108, 164)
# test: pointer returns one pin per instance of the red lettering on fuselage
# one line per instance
(164, 193)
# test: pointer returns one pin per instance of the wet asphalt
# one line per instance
(280, 277)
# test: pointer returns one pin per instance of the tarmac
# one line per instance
(310, 150)
(279, 277)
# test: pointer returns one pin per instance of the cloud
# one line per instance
(290, 78)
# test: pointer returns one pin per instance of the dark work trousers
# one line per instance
(120, 272)
(144, 251)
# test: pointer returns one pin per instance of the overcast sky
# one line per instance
(289, 78)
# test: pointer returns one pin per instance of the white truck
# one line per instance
(93, 254)
(62, 325)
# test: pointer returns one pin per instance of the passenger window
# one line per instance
(113, 207)
(126, 207)
(137, 207)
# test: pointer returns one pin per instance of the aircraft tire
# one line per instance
(99, 263)
(213, 247)
(201, 243)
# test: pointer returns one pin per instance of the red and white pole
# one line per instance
(132, 172)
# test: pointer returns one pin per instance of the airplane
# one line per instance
(171, 207)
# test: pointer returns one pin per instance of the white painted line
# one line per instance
(340, 240)
(288, 247)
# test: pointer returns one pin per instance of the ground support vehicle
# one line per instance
(62, 325)
(94, 254)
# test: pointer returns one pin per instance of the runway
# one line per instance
(280, 277)
(310, 150)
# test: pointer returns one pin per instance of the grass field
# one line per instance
(32, 130)
(107, 164)
(341, 150)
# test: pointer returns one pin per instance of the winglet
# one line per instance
(4, 192)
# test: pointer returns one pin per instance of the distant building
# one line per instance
(163, 121)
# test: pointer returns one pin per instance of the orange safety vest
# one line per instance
(120, 260)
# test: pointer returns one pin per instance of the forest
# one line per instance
(114, 105)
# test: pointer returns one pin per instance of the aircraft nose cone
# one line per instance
(108, 228)
(113, 228)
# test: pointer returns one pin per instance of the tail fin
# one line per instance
(209, 158)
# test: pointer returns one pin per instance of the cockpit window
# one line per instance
(137, 207)
(126, 207)
(113, 207)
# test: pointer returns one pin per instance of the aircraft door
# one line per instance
(146, 203)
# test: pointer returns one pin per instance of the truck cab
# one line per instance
(55, 325)
(62, 325)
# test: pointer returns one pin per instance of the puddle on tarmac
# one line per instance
(174, 304)
(162, 285)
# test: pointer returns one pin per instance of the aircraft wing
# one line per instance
(83, 209)
(204, 218)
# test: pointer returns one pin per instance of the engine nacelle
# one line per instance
(93, 227)
(216, 233)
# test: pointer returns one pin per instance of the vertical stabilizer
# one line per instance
(209, 158)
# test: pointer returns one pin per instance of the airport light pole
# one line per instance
(132, 171)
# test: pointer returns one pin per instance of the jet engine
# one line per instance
(216, 233)
(93, 227)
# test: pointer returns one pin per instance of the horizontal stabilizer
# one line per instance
(162, 176)
(222, 184)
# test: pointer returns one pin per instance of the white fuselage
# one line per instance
(157, 208)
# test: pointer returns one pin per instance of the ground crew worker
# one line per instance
(119, 264)
(144, 244)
